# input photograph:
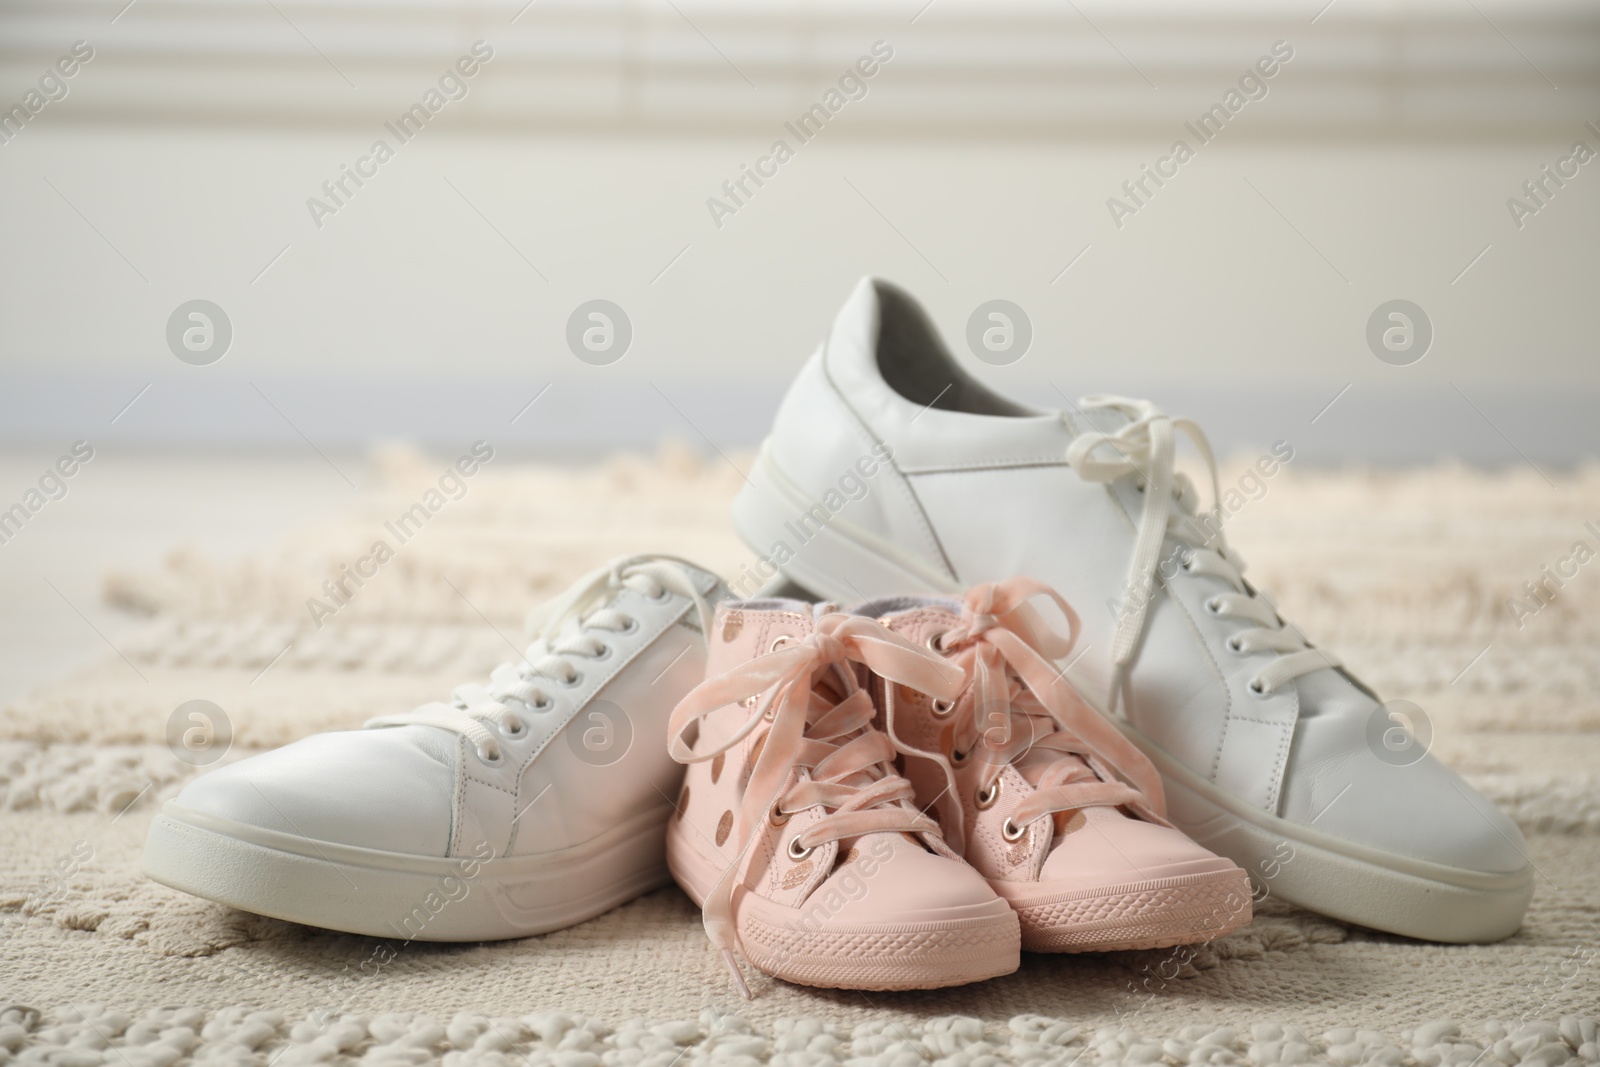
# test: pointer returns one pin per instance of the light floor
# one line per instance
(127, 512)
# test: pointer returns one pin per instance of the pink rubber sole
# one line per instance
(1153, 914)
(975, 943)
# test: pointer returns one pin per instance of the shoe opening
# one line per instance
(915, 362)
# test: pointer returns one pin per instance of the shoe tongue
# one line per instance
(886, 608)
(782, 603)
(1033, 764)
(827, 693)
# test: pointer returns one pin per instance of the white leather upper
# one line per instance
(982, 491)
(423, 790)
(380, 789)
(818, 438)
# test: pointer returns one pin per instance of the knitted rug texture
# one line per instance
(1407, 574)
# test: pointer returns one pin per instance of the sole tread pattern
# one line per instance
(1196, 909)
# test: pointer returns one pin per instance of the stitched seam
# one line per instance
(1019, 463)
(617, 664)
(1205, 646)
(769, 619)
(1229, 717)
(460, 800)
(468, 776)
(615, 667)
(899, 481)
(1282, 760)
(917, 616)
(1250, 718)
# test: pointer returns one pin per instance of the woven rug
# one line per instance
(1407, 574)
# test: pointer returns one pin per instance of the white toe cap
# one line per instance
(384, 789)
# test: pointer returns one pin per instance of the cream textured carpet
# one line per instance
(1406, 574)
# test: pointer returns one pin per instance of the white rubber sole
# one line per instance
(1381, 890)
(393, 895)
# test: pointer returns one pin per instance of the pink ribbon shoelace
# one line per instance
(843, 766)
(1005, 648)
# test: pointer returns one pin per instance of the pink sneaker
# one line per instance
(794, 832)
(1044, 796)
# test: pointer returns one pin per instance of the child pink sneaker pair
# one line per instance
(906, 794)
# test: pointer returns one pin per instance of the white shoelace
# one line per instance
(1146, 447)
(564, 630)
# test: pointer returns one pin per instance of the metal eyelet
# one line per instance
(1011, 831)
(514, 731)
(943, 708)
(1214, 606)
(1256, 688)
(985, 797)
(1235, 645)
(571, 683)
(933, 642)
(797, 853)
(777, 816)
(778, 642)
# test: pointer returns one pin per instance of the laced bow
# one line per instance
(843, 767)
(1072, 755)
(563, 629)
(1146, 447)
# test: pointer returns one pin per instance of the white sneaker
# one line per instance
(1261, 739)
(524, 804)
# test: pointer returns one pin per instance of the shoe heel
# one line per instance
(836, 560)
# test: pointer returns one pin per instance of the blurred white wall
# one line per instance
(1375, 164)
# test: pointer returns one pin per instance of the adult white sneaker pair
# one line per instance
(519, 806)
(1262, 740)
